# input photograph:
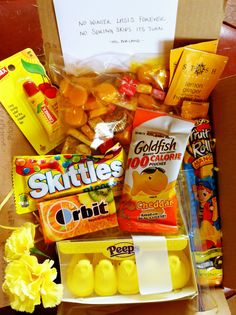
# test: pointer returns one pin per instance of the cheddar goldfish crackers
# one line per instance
(149, 201)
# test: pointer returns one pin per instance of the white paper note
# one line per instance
(90, 27)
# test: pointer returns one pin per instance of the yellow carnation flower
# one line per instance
(27, 281)
(20, 242)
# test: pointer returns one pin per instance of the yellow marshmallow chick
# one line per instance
(180, 269)
(105, 282)
(80, 276)
(127, 277)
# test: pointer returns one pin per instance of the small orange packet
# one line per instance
(77, 215)
(149, 201)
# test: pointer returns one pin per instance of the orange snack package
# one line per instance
(149, 201)
(78, 214)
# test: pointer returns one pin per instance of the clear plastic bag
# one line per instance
(205, 299)
(98, 96)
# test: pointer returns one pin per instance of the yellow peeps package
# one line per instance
(30, 99)
(175, 54)
(109, 271)
(195, 77)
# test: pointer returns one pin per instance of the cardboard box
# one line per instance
(196, 21)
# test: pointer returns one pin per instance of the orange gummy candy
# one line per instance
(98, 112)
(76, 94)
(193, 110)
(92, 103)
(106, 92)
(146, 101)
(144, 74)
(86, 82)
(75, 117)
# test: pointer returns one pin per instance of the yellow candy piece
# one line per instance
(88, 131)
(80, 276)
(127, 277)
(144, 88)
(193, 110)
(98, 112)
(180, 269)
(79, 136)
(105, 282)
(106, 92)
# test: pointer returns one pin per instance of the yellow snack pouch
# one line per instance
(196, 76)
(176, 53)
(30, 99)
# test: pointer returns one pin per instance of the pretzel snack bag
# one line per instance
(149, 201)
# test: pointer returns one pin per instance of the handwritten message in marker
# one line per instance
(90, 27)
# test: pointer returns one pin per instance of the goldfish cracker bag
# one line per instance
(149, 202)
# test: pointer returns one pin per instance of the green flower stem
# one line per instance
(36, 251)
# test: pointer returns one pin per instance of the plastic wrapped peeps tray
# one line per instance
(133, 270)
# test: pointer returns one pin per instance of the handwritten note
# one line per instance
(90, 27)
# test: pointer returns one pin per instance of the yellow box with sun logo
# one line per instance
(29, 98)
(195, 77)
(78, 214)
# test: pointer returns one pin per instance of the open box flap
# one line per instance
(210, 13)
(202, 21)
(224, 119)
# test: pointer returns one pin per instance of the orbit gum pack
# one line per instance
(39, 178)
(149, 202)
(75, 215)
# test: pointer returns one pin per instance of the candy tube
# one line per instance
(205, 222)
(44, 111)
